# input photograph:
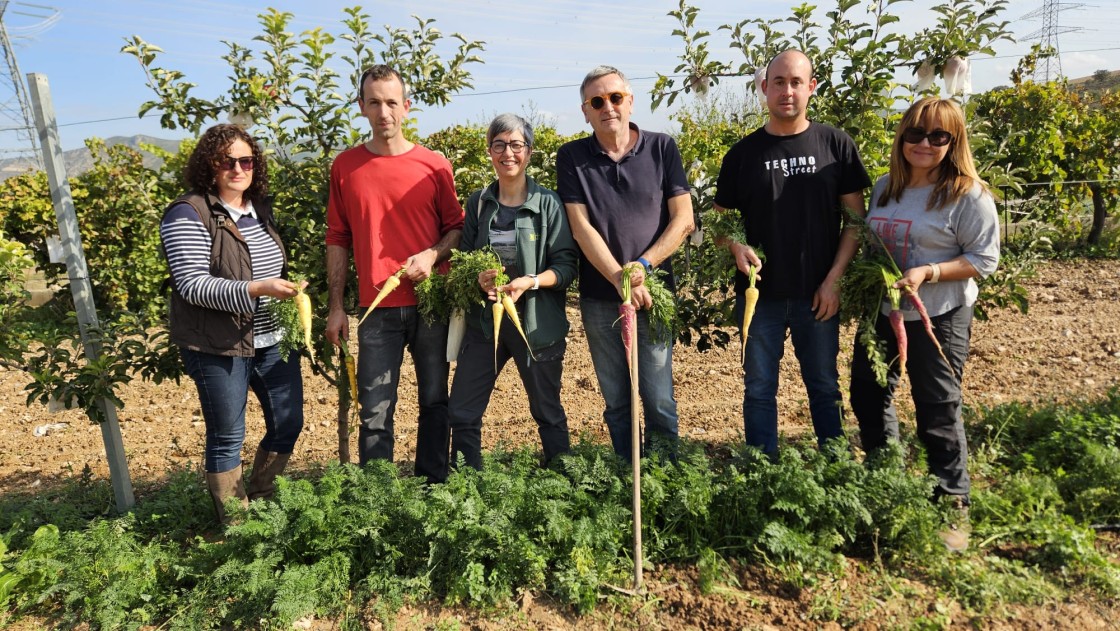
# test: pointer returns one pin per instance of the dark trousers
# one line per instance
(935, 387)
(473, 385)
(381, 342)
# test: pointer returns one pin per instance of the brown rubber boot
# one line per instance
(266, 466)
(223, 486)
(957, 528)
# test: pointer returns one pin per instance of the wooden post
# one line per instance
(78, 275)
(636, 456)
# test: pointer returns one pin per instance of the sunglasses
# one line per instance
(915, 135)
(499, 146)
(597, 102)
(227, 164)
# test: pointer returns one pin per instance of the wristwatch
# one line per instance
(536, 282)
(646, 264)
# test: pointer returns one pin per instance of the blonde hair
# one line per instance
(956, 175)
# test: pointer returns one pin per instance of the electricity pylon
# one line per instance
(1049, 68)
(19, 142)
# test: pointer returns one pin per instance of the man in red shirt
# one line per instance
(394, 204)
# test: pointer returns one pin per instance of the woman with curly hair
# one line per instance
(227, 264)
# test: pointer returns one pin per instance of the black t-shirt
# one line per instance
(788, 190)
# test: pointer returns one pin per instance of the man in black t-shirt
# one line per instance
(791, 180)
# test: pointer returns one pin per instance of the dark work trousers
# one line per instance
(474, 383)
(935, 387)
(382, 339)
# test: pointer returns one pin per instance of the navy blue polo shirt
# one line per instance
(627, 201)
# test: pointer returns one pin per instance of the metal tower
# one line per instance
(1050, 68)
(19, 142)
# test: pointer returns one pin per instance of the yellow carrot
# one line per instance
(496, 310)
(352, 375)
(391, 283)
(303, 308)
(511, 311)
(750, 302)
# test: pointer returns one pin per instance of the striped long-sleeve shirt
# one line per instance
(188, 243)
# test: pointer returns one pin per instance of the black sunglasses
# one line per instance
(227, 164)
(938, 138)
(597, 102)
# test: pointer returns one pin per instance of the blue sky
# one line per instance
(540, 49)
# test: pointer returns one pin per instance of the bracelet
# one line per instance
(936, 275)
(536, 282)
(645, 263)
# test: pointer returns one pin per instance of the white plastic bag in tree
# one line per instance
(958, 76)
(242, 119)
(456, 328)
(925, 76)
(759, 76)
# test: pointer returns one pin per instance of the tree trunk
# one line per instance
(1099, 214)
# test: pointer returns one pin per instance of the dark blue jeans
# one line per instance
(655, 378)
(381, 342)
(935, 387)
(474, 384)
(816, 345)
(223, 390)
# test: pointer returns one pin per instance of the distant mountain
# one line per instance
(79, 161)
(1098, 82)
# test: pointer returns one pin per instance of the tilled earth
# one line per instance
(1067, 346)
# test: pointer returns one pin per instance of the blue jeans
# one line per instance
(381, 342)
(223, 390)
(816, 345)
(474, 384)
(655, 377)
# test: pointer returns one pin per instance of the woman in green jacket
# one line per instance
(526, 225)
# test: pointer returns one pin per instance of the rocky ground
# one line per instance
(1068, 345)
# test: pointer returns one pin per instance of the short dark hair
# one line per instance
(380, 72)
(202, 167)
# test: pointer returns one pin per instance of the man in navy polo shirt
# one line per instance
(627, 199)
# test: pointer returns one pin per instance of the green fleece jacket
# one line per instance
(544, 242)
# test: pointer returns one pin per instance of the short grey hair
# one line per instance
(602, 71)
(503, 123)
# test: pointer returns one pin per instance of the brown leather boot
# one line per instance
(957, 529)
(223, 486)
(266, 466)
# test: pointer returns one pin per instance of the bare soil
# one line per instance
(1067, 346)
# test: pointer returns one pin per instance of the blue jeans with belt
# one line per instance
(655, 377)
(223, 389)
(382, 339)
(816, 344)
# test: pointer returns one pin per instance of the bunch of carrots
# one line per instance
(869, 279)
(462, 290)
(721, 227)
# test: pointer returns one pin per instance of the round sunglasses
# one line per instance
(937, 138)
(597, 102)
